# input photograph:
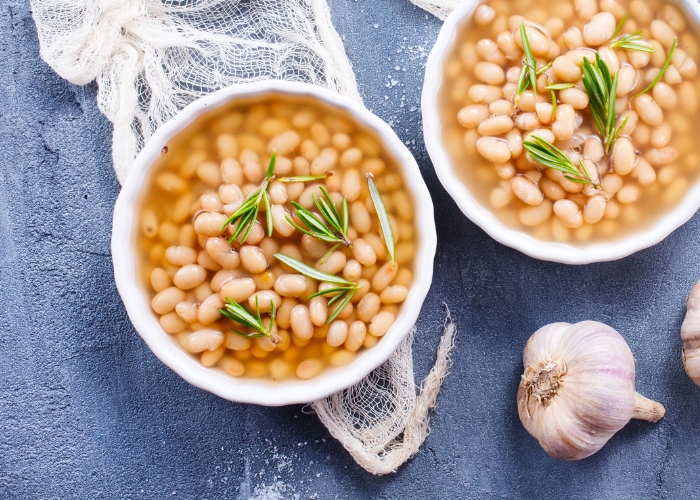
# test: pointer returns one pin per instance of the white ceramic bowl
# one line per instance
(137, 297)
(483, 217)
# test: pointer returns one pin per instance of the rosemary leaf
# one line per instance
(310, 272)
(306, 178)
(663, 69)
(383, 216)
(551, 156)
(530, 62)
(602, 95)
(619, 26)
(339, 290)
(347, 298)
(271, 165)
(328, 253)
(236, 312)
(630, 42)
(560, 86)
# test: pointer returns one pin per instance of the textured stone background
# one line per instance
(86, 411)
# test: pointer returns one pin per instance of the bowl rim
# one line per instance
(137, 298)
(479, 214)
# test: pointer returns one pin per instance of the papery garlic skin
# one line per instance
(690, 334)
(578, 388)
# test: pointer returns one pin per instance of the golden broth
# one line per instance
(645, 194)
(210, 169)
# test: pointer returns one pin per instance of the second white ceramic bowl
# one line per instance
(137, 298)
(485, 218)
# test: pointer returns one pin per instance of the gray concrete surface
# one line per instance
(86, 411)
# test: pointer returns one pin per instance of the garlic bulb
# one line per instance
(690, 334)
(578, 388)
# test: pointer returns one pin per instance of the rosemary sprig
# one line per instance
(344, 291)
(552, 157)
(663, 69)
(629, 42)
(602, 94)
(236, 312)
(619, 26)
(247, 214)
(383, 216)
(319, 229)
(528, 75)
(560, 86)
(306, 178)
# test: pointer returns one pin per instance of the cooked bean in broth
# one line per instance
(198, 274)
(523, 135)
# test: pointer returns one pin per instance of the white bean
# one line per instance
(489, 51)
(356, 336)
(351, 184)
(209, 223)
(586, 9)
(484, 93)
(599, 29)
(506, 43)
(661, 135)
(538, 42)
(189, 276)
(534, 216)
(662, 156)
(171, 323)
(181, 255)
(253, 259)
(594, 209)
(515, 142)
(565, 122)
(335, 261)
(501, 107)
(223, 254)
(393, 294)
(566, 70)
(381, 323)
(484, 15)
(623, 156)
(496, 125)
(489, 73)
(645, 173)
(628, 194)
(648, 110)
(662, 32)
(576, 97)
(337, 333)
(627, 79)
(472, 116)
(300, 321)
(664, 95)
(209, 309)
(364, 252)
(280, 222)
(205, 339)
(264, 300)
(318, 311)
(569, 213)
(237, 290)
(526, 190)
(290, 285)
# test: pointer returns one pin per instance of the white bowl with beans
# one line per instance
(648, 180)
(197, 353)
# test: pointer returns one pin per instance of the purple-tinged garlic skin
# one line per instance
(577, 390)
(690, 335)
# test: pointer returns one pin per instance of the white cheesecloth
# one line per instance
(153, 57)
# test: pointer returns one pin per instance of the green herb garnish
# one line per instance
(236, 312)
(560, 86)
(344, 291)
(383, 216)
(663, 69)
(528, 75)
(306, 178)
(618, 28)
(602, 94)
(552, 157)
(247, 214)
(319, 229)
(629, 42)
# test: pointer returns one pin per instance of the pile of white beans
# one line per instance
(650, 164)
(193, 269)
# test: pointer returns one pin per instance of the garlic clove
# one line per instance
(690, 334)
(577, 390)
